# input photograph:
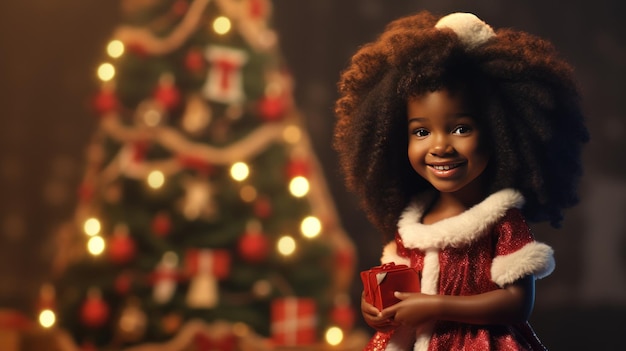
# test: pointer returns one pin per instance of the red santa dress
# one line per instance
(482, 249)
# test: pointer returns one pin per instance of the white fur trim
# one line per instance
(459, 230)
(471, 30)
(423, 340)
(430, 286)
(430, 273)
(534, 258)
(390, 254)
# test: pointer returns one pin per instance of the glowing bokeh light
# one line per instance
(92, 226)
(311, 227)
(47, 318)
(299, 186)
(221, 25)
(96, 245)
(334, 336)
(239, 171)
(115, 48)
(156, 179)
(106, 72)
(286, 245)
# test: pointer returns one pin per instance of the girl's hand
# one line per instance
(375, 318)
(413, 309)
(511, 304)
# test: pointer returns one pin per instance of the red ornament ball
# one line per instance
(298, 167)
(121, 248)
(168, 95)
(94, 312)
(123, 283)
(272, 108)
(262, 207)
(161, 224)
(253, 247)
(194, 61)
(105, 101)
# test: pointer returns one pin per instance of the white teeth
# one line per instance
(444, 167)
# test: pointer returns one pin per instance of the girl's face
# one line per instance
(445, 142)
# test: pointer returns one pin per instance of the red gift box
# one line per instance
(380, 282)
(294, 321)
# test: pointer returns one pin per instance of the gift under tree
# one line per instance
(202, 202)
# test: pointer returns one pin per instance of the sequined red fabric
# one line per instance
(466, 271)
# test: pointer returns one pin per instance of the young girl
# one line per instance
(453, 135)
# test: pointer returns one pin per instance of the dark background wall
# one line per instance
(49, 51)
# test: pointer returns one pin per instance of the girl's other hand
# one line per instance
(381, 321)
(413, 308)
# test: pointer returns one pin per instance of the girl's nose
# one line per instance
(441, 147)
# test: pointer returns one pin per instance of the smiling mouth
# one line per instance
(446, 167)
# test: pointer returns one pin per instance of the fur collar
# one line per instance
(455, 231)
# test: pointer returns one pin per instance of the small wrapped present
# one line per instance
(380, 283)
(294, 321)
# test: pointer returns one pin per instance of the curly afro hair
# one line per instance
(527, 101)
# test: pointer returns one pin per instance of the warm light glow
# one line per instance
(92, 226)
(239, 171)
(299, 186)
(115, 48)
(152, 117)
(106, 72)
(292, 134)
(334, 336)
(47, 318)
(156, 179)
(221, 25)
(311, 227)
(241, 329)
(95, 245)
(170, 259)
(248, 193)
(286, 245)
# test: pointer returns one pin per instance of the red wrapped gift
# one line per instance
(380, 282)
(294, 321)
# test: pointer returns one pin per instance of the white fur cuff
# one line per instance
(535, 258)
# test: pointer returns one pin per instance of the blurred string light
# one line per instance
(239, 171)
(286, 245)
(299, 186)
(292, 134)
(47, 318)
(248, 193)
(106, 72)
(92, 226)
(96, 245)
(334, 336)
(311, 227)
(152, 117)
(156, 179)
(115, 49)
(221, 25)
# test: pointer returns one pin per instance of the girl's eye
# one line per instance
(462, 129)
(420, 132)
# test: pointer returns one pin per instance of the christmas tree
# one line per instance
(203, 208)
